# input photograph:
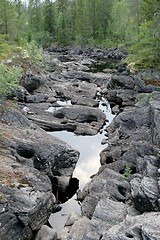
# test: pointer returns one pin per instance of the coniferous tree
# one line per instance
(147, 48)
(8, 16)
(49, 19)
(60, 16)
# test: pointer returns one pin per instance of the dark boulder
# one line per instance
(31, 82)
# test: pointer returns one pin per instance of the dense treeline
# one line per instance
(133, 23)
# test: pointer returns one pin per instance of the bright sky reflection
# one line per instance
(88, 164)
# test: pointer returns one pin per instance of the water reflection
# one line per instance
(89, 148)
(88, 164)
(58, 220)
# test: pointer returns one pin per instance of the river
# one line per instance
(88, 163)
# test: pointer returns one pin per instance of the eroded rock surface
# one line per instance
(122, 201)
(30, 161)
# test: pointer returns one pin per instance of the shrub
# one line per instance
(9, 79)
(145, 53)
(43, 39)
(34, 52)
(127, 172)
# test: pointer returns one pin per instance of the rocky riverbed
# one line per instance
(122, 201)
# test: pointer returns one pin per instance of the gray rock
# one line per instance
(121, 82)
(145, 226)
(72, 218)
(78, 230)
(108, 181)
(145, 194)
(115, 203)
(122, 97)
(79, 119)
(115, 109)
(140, 86)
(107, 214)
(32, 82)
(155, 107)
(84, 101)
(30, 159)
(36, 98)
(46, 233)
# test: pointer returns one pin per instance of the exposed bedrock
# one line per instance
(122, 201)
(30, 160)
(82, 117)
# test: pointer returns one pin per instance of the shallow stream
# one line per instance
(88, 163)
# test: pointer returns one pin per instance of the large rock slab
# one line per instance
(78, 119)
(30, 160)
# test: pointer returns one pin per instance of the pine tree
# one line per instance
(147, 48)
(8, 16)
(49, 19)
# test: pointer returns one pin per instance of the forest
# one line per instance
(130, 24)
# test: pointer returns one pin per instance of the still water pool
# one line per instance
(88, 164)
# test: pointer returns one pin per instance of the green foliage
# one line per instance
(34, 52)
(127, 172)
(9, 79)
(148, 97)
(106, 23)
(123, 27)
(43, 39)
(146, 51)
(7, 50)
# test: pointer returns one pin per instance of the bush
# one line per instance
(145, 53)
(43, 39)
(34, 52)
(6, 49)
(9, 79)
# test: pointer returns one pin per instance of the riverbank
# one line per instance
(37, 169)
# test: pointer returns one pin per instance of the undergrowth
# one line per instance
(9, 79)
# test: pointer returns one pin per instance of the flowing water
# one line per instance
(88, 163)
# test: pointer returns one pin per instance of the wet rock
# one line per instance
(102, 203)
(64, 188)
